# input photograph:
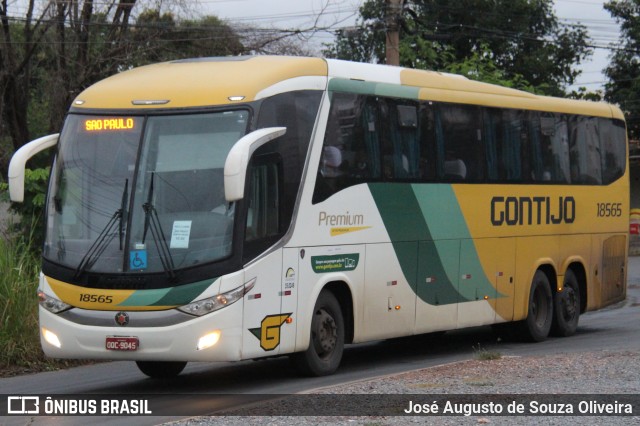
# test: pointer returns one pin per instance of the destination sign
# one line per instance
(108, 124)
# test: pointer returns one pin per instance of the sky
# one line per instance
(339, 13)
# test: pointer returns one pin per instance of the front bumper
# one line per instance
(158, 341)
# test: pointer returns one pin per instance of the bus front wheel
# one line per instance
(327, 338)
(540, 311)
(161, 369)
(566, 307)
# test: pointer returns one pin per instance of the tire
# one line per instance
(566, 307)
(161, 369)
(540, 312)
(326, 343)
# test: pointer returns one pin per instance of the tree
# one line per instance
(19, 45)
(623, 71)
(60, 47)
(480, 65)
(106, 38)
(163, 37)
(265, 41)
(525, 39)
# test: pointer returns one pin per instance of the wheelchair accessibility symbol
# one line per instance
(138, 259)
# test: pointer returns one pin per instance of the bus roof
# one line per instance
(196, 82)
(202, 82)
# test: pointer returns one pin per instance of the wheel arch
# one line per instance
(578, 269)
(548, 267)
(342, 289)
(550, 271)
(342, 293)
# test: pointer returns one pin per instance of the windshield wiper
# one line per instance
(106, 236)
(123, 211)
(152, 221)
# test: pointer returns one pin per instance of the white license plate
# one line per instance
(116, 343)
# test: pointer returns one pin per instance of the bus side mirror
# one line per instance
(235, 167)
(19, 161)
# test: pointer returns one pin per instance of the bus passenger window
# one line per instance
(550, 142)
(350, 153)
(405, 140)
(459, 141)
(584, 151)
(612, 145)
(505, 138)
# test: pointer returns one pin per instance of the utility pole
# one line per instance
(393, 11)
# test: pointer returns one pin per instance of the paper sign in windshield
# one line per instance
(180, 234)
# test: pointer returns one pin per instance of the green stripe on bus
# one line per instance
(174, 296)
(430, 216)
(438, 265)
(445, 221)
(184, 294)
(145, 297)
(377, 89)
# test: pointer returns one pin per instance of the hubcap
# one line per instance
(326, 333)
(539, 308)
(569, 303)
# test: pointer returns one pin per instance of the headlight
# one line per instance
(51, 304)
(205, 306)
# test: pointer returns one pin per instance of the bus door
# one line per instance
(264, 317)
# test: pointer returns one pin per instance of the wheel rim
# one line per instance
(325, 336)
(568, 303)
(539, 308)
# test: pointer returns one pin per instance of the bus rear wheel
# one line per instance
(161, 369)
(326, 343)
(566, 307)
(540, 310)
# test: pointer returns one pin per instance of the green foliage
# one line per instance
(366, 41)
(18, 305)
(623, 71)
(583, 94)
(30, 226)
(64, 47)
(482, 354)
(527, 43)
(19, 329)
(480, 66)
(6, 151)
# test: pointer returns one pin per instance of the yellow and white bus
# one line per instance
(221, 209)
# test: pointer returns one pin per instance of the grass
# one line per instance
(19, 337)
(483, 354)
(20, 350)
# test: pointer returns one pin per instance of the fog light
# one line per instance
(208, 340)
(51, 338)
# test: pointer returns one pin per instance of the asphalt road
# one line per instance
(615, 328)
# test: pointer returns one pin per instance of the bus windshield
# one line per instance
(142, 194)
